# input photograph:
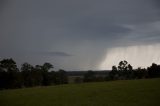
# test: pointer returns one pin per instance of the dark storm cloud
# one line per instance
(85, 28)
(90, 30)
(157, 3)
(2, 3)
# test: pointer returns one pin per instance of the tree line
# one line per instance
(124, 71)
(28, 75)
(43, 75)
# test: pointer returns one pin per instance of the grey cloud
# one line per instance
(85, 28)
(92, 28)
(157, 3)
(142, 34)
(2, 4)
(57, 54)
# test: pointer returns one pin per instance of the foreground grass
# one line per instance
(114, 93)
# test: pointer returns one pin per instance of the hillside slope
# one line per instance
(115, 93)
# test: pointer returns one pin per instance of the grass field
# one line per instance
(114, 93)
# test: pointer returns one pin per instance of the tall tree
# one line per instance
(9, 67)
(113, 75)
(45, 68)
(3, 78)
(154, 71)
(125, 70)
(28, 79)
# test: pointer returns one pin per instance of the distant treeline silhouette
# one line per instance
(42, 75)
(28, 75)
(125, 71)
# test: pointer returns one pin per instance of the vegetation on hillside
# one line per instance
(43, 75)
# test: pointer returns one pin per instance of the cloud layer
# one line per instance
(87, 29)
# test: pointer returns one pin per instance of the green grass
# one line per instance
(114, 93)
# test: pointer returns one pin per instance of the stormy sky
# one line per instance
(80, 34)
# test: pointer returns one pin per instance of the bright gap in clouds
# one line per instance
(138, 56)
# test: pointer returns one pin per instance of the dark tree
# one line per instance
(45, 68)
(154, 71)
(125, 70)
(113, 75)
(3, 78)
(140, 73)
(11, 78)
(52, 77)
(37, 75)
(61, 77)
(27, 75)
